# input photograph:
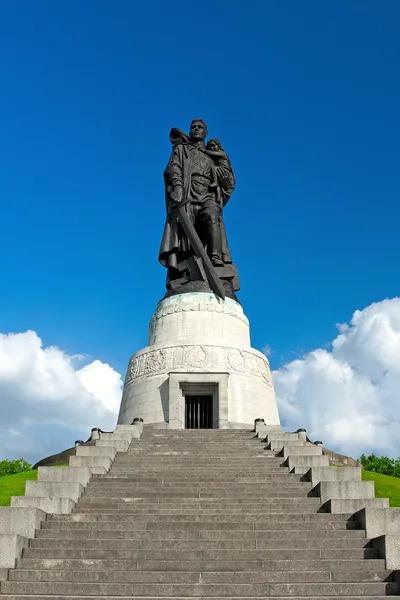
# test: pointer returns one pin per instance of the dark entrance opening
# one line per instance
(198, 412)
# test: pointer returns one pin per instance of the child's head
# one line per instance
(214, 145)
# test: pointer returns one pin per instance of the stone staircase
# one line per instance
(206, 513)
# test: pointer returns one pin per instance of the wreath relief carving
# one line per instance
(214, 358)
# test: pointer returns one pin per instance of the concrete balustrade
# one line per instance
(119, 445)
(352, 505)
(317, 474)
(310, 450)
(262, 430)
(136, 430)
(301, 464)
(97, 463)
(382, 525)
(328, 490)
(106, 451)
(49, 504)
(278, 445)
(379, 521)
(80, 475)
(44, 489)
(11, 547)
(282, 437)
(17, 525)
(340, 488)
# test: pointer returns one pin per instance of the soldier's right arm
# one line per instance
(175, 169)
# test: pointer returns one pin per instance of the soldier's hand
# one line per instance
(176, 196)
(224, 177)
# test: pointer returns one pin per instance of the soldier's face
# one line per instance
(198, 131)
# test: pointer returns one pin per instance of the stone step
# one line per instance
(252, 514)
(258, 510)
(114, 517)
(229, 466)
(261, 480)
(193, 447)
(290, 493)
(277, 564)
(198, 465)
(233, 501)
(192, 451)
(124, 508)
(165, 474)
(199, 589)
(157, 434)
(305, 505)
(279, 502)
(63, 520)
(264, 597)
(111, 478)
(207, 450)
(202, 493)
(265, 461)
(272, 517)
(279, 517)
(122, 488)
(141, 525)
(185, 455)
(234, 544)
(177, 536)
(206, 554)
(281, 481)
(86, 576)
(130, 460)
(130, 509)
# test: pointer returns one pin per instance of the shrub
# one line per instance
(10, 467)
(381, 464)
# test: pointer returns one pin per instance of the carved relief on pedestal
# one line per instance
(195, 358)
(236, 360)
(208, 303)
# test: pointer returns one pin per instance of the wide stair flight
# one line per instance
(199, 513)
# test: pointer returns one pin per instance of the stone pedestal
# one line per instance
(199, 344)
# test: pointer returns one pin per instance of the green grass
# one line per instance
(385, 486)
(14, 485)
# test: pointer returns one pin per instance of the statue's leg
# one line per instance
(210, 217)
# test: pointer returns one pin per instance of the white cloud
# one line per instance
(349, 396)
(46, 401)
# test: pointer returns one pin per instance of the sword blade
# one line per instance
(188, 228)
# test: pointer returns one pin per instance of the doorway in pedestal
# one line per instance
(199, 411)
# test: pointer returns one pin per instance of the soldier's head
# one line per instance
(198, 130)
(214, 145)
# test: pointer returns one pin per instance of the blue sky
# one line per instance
(305, 97)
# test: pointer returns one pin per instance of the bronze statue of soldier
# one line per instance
(199, 181)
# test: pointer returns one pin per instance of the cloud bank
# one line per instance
(48, 399)
(349, 396)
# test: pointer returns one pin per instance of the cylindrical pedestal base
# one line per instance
(199, 347)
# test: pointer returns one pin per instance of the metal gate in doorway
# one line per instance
(198, 412)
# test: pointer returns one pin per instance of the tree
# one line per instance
(10, 467)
